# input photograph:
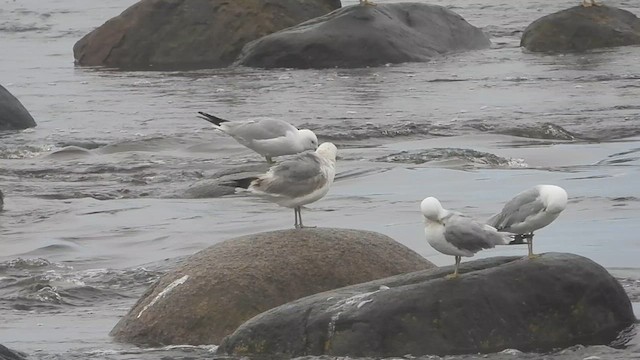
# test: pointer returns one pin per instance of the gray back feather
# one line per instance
(467, 234)
(262, 129)
(517, 210)
(294, 177)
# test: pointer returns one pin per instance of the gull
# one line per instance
(453, 233)
(589, 3)
(298, 181)
(529, 211)
(267, 137)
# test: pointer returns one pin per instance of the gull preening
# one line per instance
(452, 233)
(529, 211)
(298, 181)
(267, 137)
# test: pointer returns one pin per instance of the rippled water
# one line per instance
(97, 202)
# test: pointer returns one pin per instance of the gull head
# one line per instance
(309, 139)
(432, 209)
(328, 151)
(554, 197)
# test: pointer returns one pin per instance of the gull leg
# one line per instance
(530, 246)
(455, 271)
(296, 210)
(300, 216)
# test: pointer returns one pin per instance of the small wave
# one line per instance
(548, 131)
(23, 152)
(21, 28)
(370, 130)
(464, 157)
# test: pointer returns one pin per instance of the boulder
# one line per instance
(582, 28)
(8, 354)
(13, 115)
(219, 288)
(189, 34)
(553, 301)
(360, 36)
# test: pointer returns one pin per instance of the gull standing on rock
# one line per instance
(452, 233)
(298, 181)
(267, 137)
(529, 211)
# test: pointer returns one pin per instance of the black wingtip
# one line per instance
(243, 183)
(210, 118)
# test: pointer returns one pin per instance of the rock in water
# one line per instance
(13, 115)
(582, 28)
(179, 34)
(221, 287)
(360, 36)
(554, 301)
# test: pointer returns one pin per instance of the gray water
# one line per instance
(86, 231)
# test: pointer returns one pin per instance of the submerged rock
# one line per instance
(13, 115)
(465, 158)
(219, 288)
(178, 34)
(360, 36)
(553, 301)
(582, 28)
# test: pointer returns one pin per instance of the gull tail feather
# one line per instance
(212, 119)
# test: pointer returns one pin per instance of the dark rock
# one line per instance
(181, 34)
(554, 301)
(219, 183)
(360, 36)
(582, 28)
(13, 115)
(221, 287)
(8, 354)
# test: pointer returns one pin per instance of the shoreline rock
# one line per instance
(361, 36)
(582, 28)
(194, 34)
(13, 115)
(554, 301)
(217, 289)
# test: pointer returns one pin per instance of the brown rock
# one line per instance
(582, 28)
(174, 34)
(219, 288)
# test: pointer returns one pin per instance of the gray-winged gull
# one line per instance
(267, 137)
(452, 233)
(298, 181)
(529, 211)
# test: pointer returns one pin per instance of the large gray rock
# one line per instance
(178, 34)
(553, 301)
(360, 36)
(13, 115)
(221, 287)
(582, 28)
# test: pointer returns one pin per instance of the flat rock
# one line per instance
(219, 288)
(13, 115)
(582, 28)
(361, 36)
(181, 34)
(554, 301)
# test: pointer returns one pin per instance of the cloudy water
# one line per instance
(98, 202)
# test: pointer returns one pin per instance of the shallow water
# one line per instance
(86, 229)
